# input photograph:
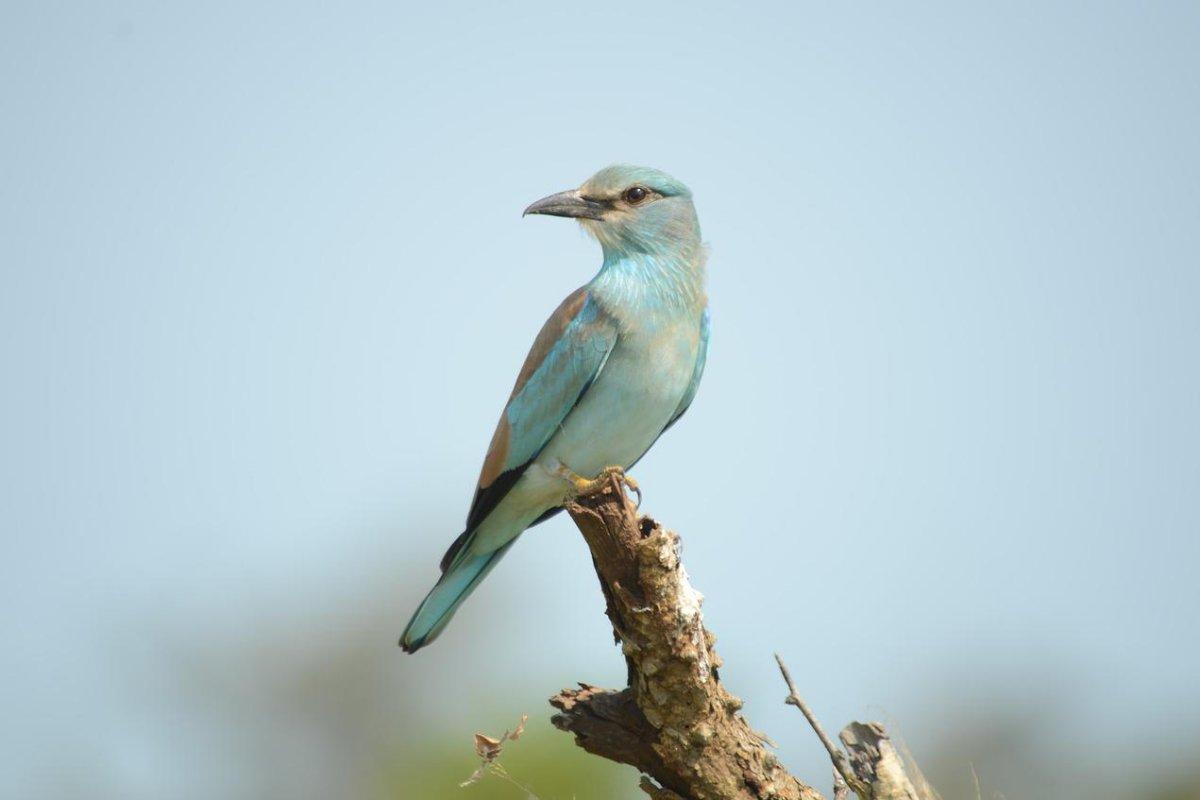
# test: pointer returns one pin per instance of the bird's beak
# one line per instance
(567, 204)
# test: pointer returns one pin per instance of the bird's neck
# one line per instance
(643, 286)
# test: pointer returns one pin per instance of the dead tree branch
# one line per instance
(675, 721)
(880, 766)
(874, 769)
(841, 764)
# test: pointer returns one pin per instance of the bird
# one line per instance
(617, 364)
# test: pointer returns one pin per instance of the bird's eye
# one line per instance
(635, 194)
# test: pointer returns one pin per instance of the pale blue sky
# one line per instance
(266, 285)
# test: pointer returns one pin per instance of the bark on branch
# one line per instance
(675, 721)
(874, 768)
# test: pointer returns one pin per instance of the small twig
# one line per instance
(840, 762)
(840, 790)
(499, 771)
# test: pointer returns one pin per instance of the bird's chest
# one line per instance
(633, 398)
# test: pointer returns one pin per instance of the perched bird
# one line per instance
(617, 363)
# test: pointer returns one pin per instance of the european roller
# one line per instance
(617, 363)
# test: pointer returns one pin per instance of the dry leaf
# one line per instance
(520, 728)
(487, 747)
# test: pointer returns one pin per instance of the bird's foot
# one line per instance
(581, 485)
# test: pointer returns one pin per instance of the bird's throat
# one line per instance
(651, 285)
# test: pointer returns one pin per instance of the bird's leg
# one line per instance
(581, 485)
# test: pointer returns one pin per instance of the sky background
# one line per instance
(265, 287)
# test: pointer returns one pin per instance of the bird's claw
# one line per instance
(581, 485)
(630, 484)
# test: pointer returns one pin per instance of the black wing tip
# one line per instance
(488, 497)
(452, 551)
(412, 646)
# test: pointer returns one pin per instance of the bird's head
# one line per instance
(630, 210)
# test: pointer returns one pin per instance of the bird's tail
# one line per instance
(455, 585)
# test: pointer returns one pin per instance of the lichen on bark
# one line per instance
(675, 721)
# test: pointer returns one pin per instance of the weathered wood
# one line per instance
(675, 721)
(880, 766)
(874, 768)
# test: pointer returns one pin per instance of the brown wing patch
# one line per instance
(548, 337)
(496, 478)
(497, 453)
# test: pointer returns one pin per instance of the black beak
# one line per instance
(567, 204)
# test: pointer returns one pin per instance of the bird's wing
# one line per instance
(697, 373)
(565, 358)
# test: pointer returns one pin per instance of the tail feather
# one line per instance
(455, 548)
(455, 585)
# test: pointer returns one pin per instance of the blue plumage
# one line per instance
(617, 363)
(447, 594)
